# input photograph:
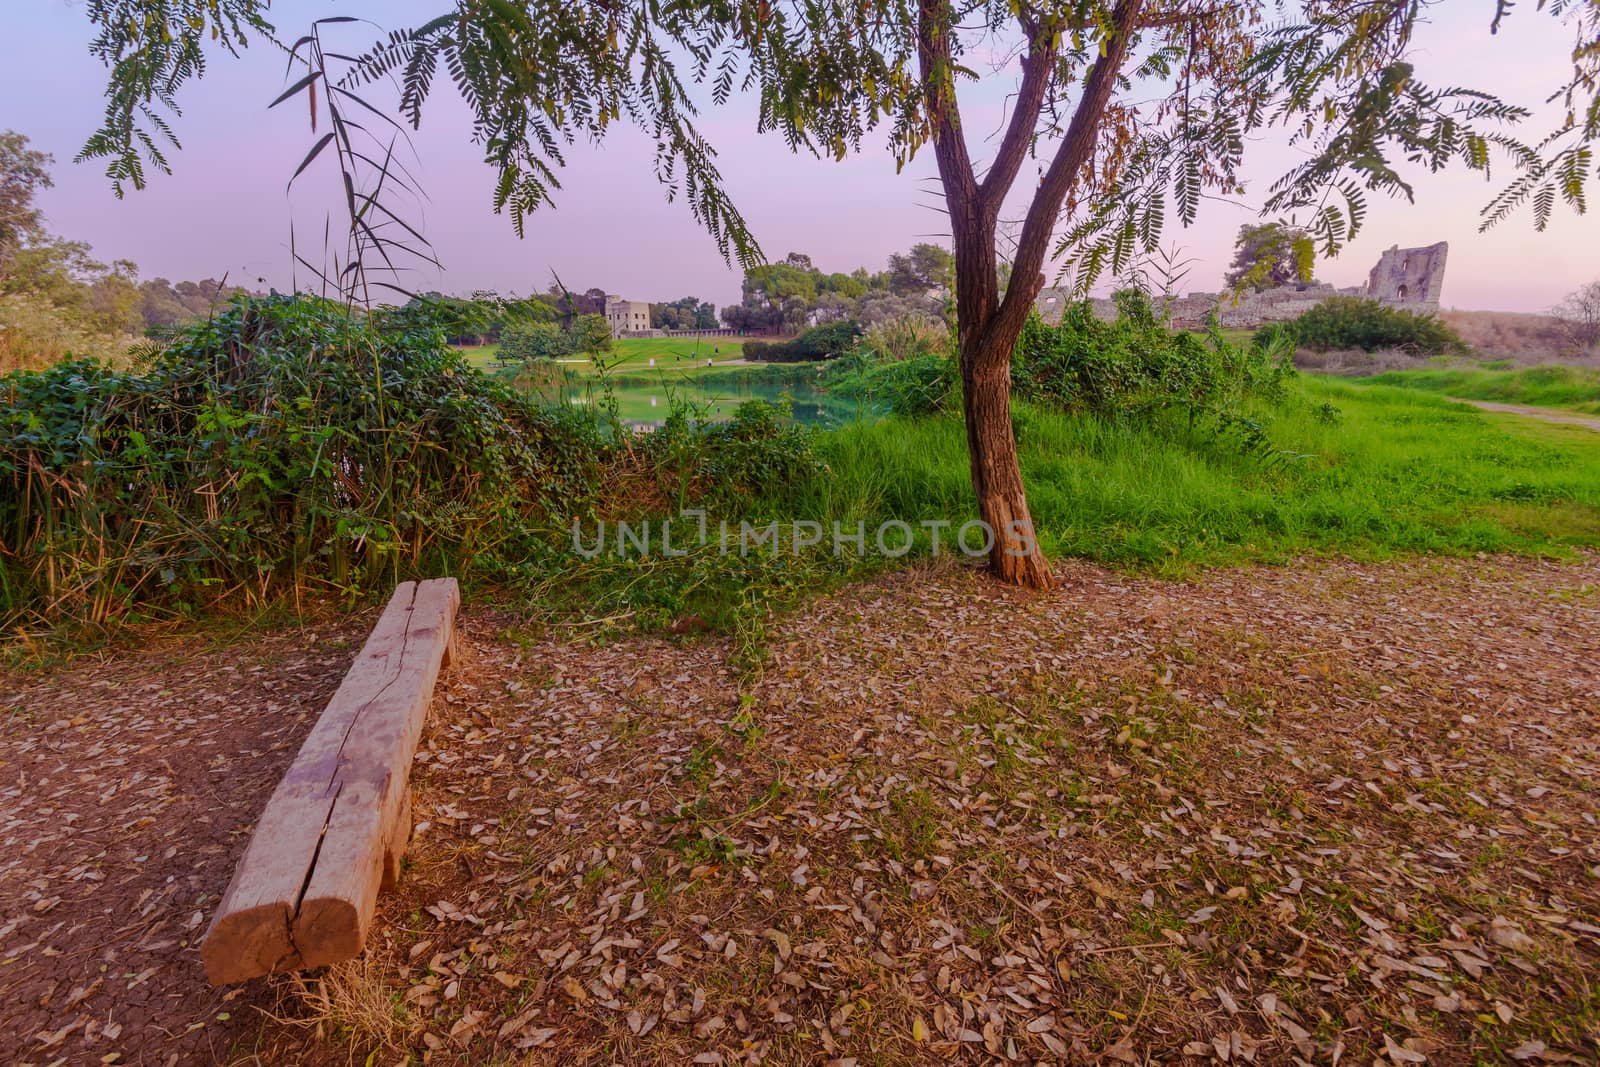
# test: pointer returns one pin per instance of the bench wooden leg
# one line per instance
(399, 837)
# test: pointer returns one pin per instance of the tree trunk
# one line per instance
(992, 447)
(988, 324)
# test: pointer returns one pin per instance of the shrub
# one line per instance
(1136, 366)
(281, 444)
(536, 340)
(758, 451)
(1347, 322)
(820, 342)
(1135, 361)
(922, 385)
(907, 337)
(289, 446)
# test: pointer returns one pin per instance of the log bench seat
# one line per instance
(336, 827)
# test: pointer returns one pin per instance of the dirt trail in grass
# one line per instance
(1331, 811)
(1565, 418)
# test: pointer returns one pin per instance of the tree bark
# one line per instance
(988, 325)
(996, 474)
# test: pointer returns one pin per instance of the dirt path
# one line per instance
(1565, 418)
(1326, 811)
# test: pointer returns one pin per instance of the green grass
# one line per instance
(672, 354)
(1397, 471)
(1573, 388)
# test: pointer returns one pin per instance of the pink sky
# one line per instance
(226, 209)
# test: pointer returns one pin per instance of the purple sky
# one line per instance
(226, 209)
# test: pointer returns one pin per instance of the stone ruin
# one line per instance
(1408, 278)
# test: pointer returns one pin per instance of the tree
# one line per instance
(1132, 108)
(591, 334)
(926, 268)
(1270, 254)
(1579, 313)
(23, 172)
(687, 313)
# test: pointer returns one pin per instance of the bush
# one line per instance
(820, 342)
(922, 385)
(908, 337)
(536, 340)
(1135, 361)
(1136, 366)
(289, 446)
(281, 444)
(1347, 322)
(760, 451)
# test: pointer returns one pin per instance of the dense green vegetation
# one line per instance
(1576, 388)
(817, 343)
(1348, 322)
(285, 449)
(286, 446)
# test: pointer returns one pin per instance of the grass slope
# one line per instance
(1573, 388)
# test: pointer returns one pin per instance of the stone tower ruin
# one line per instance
(1409, 277)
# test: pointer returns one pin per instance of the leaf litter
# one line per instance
(1328, 813)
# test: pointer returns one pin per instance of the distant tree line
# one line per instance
(56, 298)
(789, 295)
(688, 313)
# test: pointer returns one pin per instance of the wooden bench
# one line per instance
(336, 827)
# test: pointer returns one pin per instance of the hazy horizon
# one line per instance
(226, 209)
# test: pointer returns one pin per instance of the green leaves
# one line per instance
(152, 47)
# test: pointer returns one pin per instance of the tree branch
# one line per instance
(1037, 67)
(939, 98)
(1070, 156)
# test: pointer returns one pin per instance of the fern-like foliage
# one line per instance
(1199, 81)
(152, 47)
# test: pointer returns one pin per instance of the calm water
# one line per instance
(647, 404)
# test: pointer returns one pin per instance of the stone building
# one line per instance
(627, 318)
(1409, 276)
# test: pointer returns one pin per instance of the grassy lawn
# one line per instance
(1574, 388)
(635, 353)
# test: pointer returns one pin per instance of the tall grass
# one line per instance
(1395, 471)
